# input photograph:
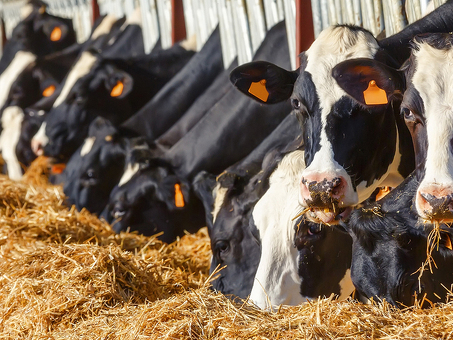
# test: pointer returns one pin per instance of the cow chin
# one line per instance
(328, 216)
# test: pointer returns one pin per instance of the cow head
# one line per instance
(150, 198)
(92, 88)
(347, 155)
(390, 247)
(96, 167)
(38, 33)
(234, 240)
(324, 257)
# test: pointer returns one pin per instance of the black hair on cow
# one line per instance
(439, 41)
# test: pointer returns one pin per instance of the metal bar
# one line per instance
(305, 34)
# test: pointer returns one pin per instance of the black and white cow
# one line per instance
(229, 203)
(36, 82)
(37, 34)
(344, 165)
(110, 88)
(166, 107)
(391, 239)
(213, 144)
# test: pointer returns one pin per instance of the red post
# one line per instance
(3, 37)
(178, 23)
(305, 34)
(95, 10)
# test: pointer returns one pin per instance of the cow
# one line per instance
(212, 144)
(229, 203)
(402, 243)
(99, 155)
(97, 86)
(39, 80)
(37, 34)
(344, 166)
(166, 107)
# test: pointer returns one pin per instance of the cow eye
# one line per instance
(408, 115)
(314, 228)
(222, 246)
(295, 103)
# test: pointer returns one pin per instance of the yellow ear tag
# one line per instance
(258, 89)
(374, 95)
(48, 91)
(108, 138)
(179, 198)
(117, 89)
(56, 34)
(448, 242)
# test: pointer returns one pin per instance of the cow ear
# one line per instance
(264, 81)
(368, 81)
(55, 30)
(119, 84)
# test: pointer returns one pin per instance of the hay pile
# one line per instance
(65, 275)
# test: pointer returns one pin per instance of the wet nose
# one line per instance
(322, 192)
(434, 206)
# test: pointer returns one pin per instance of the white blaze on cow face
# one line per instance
(131, 170)
(104, 27)
(277, 280)
(219, 194)
(25, 11)
(81, 68)
(190, 44)
(87, 146)
(21, 60)
(11, 122)
(432, 79)
(333, 46)
(39, 140)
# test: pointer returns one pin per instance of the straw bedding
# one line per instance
(65, 275)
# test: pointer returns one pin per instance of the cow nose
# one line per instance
(432, 206)
(323, 192)
(37, 147)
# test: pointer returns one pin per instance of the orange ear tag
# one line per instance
(117, 89)
(258, 89)
(179, 198)
(448, 242)
(383, 192)
(56, 34)
(48, 91)
(374, 95)
(58, 168)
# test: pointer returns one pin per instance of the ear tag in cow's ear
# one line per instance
(108, 138)
(258, 89)
(48, 91)
(448, 242)
(58, 168)
(179, 198)
(374, 95)
(56, 34)
(117, 89)
(42, 9)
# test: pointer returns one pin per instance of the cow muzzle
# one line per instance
(435, 203)
(324, 198)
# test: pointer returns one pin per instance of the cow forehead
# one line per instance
(334, 45)
(434, 83)
(80, 69)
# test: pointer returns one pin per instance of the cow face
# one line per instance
(95, 168)
(38, 33)
(324, 259)
(428, 111)
(234, 238)
(344, 163)
(150, 198)
(92, 88)
(390, 250)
